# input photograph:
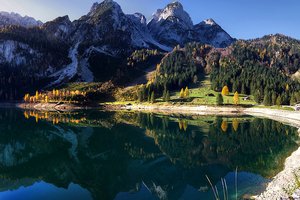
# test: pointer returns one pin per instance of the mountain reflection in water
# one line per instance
(127, 155)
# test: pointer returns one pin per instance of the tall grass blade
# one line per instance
(212, 187)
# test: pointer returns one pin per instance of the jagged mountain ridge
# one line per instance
(173, 25)
(7, 18)
(94, 47)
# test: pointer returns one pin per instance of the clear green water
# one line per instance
(124, 155)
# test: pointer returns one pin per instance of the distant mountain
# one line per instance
(16, 19)
(60, 27)
(209, 32)
(173, 25)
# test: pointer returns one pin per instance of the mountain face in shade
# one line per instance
(60, 27)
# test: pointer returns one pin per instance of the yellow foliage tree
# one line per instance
(37, 95)
(46, 99)
(225, 91)
(236, 98)
(27, 98)
(181, 95)
(186, 92)
(56, 93)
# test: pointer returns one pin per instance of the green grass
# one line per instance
(81, 86)
(201, 95)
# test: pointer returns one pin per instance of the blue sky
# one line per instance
(240, 18)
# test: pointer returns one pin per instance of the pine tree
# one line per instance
(293, 100)
(267, 99)
(236, 98)
(274, 97)
(152, 97)
(140, 96)
(164, 97)
(142, 93)
(243, 90)
(220, 100)
(278, 101)
(149, 95)
(168, 96)
(257, 97)
(234, 87)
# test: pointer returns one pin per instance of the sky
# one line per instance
(242, 19)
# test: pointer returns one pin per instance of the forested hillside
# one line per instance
(261, 67)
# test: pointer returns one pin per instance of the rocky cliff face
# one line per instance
(16, 19)
(209, 32)
(172, 25)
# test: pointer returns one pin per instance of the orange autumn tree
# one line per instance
(225, 91)
(236, 98)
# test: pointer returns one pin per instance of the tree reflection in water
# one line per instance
(113, 153)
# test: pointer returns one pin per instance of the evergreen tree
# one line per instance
(243, 90)
(234, 87)
(278, 101)
(274, 97)
(168, 96)
(141, 94)
(293, 100)
(152, 97)
(220, 100)
(149, 94)
(267, 99)
(164, 97)
(257, 97)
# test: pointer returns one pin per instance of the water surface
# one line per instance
(127, 155)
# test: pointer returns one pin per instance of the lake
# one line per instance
(127, 155)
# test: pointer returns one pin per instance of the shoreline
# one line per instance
(275, 188)
(285, 179)
(62, 107)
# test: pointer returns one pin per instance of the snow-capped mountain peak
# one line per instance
(106, 5)
(175, 10)
(138, 17)
(210, 22)
(7, 18)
